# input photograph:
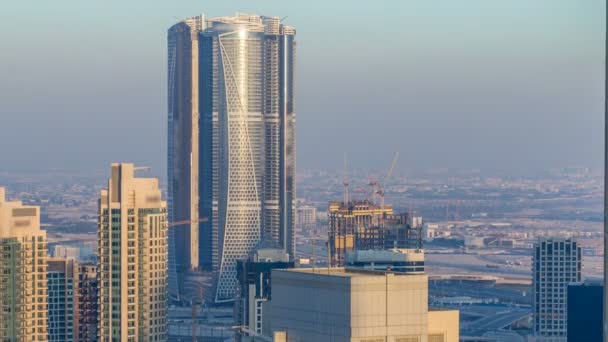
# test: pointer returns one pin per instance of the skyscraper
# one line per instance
(23, 292)
(555, 264)
(132, 264)
(242, 148)
(183, 141)
(86, 306)
(62, 277)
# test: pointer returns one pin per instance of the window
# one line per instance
(436, 338)
(408, 339)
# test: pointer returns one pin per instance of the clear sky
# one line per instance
(490, 84)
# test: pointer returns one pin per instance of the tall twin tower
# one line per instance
(231, 144)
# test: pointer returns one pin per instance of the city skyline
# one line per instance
(546, 72)
(215, 248)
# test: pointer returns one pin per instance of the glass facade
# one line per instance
(231, 160)
(61, 306)
(585, 312)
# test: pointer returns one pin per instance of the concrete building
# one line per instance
(307, 216)
(349, 221)
(393, 260)
(23, 267)
(86, 304)
(62, 282)
(361, 225)
(231, 142)
(430, 231)
(254, 289)
(415, 220)
(585, 311)
(340, 304)
(132, 264)
(555, 264)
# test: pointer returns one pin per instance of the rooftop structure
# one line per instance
(393, 260)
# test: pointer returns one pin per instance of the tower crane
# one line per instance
(345, 182)
(388, 176)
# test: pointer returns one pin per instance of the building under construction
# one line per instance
(362, 225)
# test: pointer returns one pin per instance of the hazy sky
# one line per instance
(491, 84)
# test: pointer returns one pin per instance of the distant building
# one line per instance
(430, 231)
(61, 290)
(254, 288)
(585, 311)
(132, 258)
(86, 306)
(394, 260)
(362, 225)
(555, 264)
(474, 241)
(61, 251)
(414, 220)
(307, 216)
(23, 273)
(347, 221)
(340, 304)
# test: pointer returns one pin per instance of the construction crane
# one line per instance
(388, 176)
(345, 182)
(373, 183)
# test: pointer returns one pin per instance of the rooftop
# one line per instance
(342, 272)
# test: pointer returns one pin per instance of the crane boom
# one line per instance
(389, 173)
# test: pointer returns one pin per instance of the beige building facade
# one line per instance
(23, 273)
(340, 304)
(132, 258)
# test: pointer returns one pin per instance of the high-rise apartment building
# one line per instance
(23, 282)
(132, 262)
(555, 264)
(231, 141)
(307, 216)
(62, 282)
(86, 306)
